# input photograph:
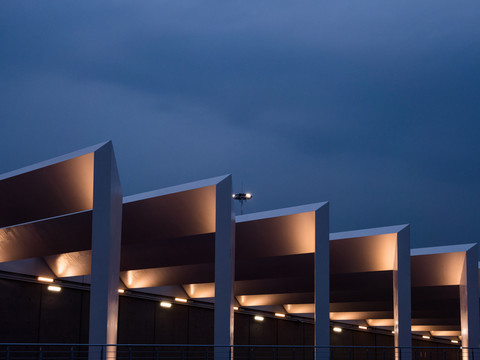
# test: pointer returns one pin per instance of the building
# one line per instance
(117, 264)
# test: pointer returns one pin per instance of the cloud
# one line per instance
(371, 105)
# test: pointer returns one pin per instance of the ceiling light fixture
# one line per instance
(166, 304)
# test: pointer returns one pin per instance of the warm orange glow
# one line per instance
(45, 279)
(280, 315)
(235, 308)
(269, 299)
(54, 288)
(437, 269)
(442, 333)
(259, 318)
(165, 276)
(337, 329)
(425, 336)
(381, 322)
(82, 177)
(121, 291)
(369, 253)
(359, 315)
(287, 235)
(75, 263)
(166, 304)
(455, 341)
(300, 308)
(199, 291)
(181, 300)
(179, 214)
(362, 327)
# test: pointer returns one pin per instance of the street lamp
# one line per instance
(242, 197)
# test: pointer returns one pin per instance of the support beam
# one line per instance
(106, 242)
(469, 312)
(224, 267)
(322, 282)
(402, 296)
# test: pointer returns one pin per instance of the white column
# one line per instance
(106, 243)
(322, 282)
(469, 312)
(224, 267)
(402, 296)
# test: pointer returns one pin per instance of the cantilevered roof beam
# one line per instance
(283, 244)
(374, 253)
(183, 235)
(69, 204)
(451, 272)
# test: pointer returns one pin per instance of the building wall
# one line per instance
(31, 313)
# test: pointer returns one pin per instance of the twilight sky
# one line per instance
(371, 105)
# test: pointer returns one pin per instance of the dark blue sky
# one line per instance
(371, 105)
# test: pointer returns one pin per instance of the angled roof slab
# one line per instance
(370, 278)
(445, 292)
(282, 258)
(67, 204)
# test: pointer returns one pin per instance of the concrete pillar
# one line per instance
(106, 242)
(469, 312)
(224, 267)
(402, 296)
(322, 282)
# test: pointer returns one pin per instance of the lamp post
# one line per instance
(242, 197)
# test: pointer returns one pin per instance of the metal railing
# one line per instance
(34, 351)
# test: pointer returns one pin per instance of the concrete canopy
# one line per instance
(63, 219)
(169, 236)
(168, 242)
(176, 237)
(282, 260)
(272, 271)
(163, 230)
(370, 278)
(274, 257)
(45, 204)
(445, 292)
(69, 204)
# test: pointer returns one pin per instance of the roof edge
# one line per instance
(368, 232)
(442, 249)
(280, 212)
(53, 161)
(175, 189)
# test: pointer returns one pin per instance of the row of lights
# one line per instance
(53, 288)
(339, 330)
(260, 317)
(336, 329)
(56, 288)
(166, 304)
